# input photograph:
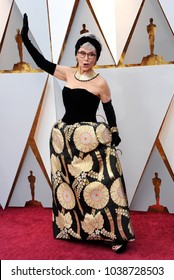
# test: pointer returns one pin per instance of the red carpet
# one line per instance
(26, 234)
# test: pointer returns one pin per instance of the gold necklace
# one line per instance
(85, 78)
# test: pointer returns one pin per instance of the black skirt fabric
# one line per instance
(89, 195)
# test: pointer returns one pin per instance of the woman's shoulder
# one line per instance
(102, 82)
(104, 89)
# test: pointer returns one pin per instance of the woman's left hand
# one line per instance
(115, 139)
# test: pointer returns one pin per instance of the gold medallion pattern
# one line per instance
(55, 164)
(96, 195)
(57, 140)
(103, 134)
(117, 193)
(65, 196)
(85, 139)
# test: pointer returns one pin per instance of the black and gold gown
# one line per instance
(89, 195)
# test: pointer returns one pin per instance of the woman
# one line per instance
(89, 195)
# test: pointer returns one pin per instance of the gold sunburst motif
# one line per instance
(85, 139)
(96, 195)
(66, 196)
(79, 165)
(57, 140)
(55, 164)
(92, 223)
(117, 193)
(103, 134)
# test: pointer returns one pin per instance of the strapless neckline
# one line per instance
(80, 89)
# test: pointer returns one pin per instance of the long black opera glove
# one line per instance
(39, 59)
(111, 118)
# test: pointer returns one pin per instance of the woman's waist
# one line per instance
(72, 118)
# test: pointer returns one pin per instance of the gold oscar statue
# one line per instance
(157, 207)
(32, 202)
(19, 44)
(84, 30)
(152, 59)
(151, 30)
(21, 65)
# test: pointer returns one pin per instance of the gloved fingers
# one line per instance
(115, 138)
(25, 22)
(24, 31)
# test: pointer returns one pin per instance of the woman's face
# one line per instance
(86, 58)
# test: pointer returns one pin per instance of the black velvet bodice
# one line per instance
(80, 105)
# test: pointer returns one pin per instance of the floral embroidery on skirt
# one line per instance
(89, 195)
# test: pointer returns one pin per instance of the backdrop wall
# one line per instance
(31, 102)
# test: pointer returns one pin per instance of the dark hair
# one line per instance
(92, 40)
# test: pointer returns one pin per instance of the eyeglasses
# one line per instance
(89, 55)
